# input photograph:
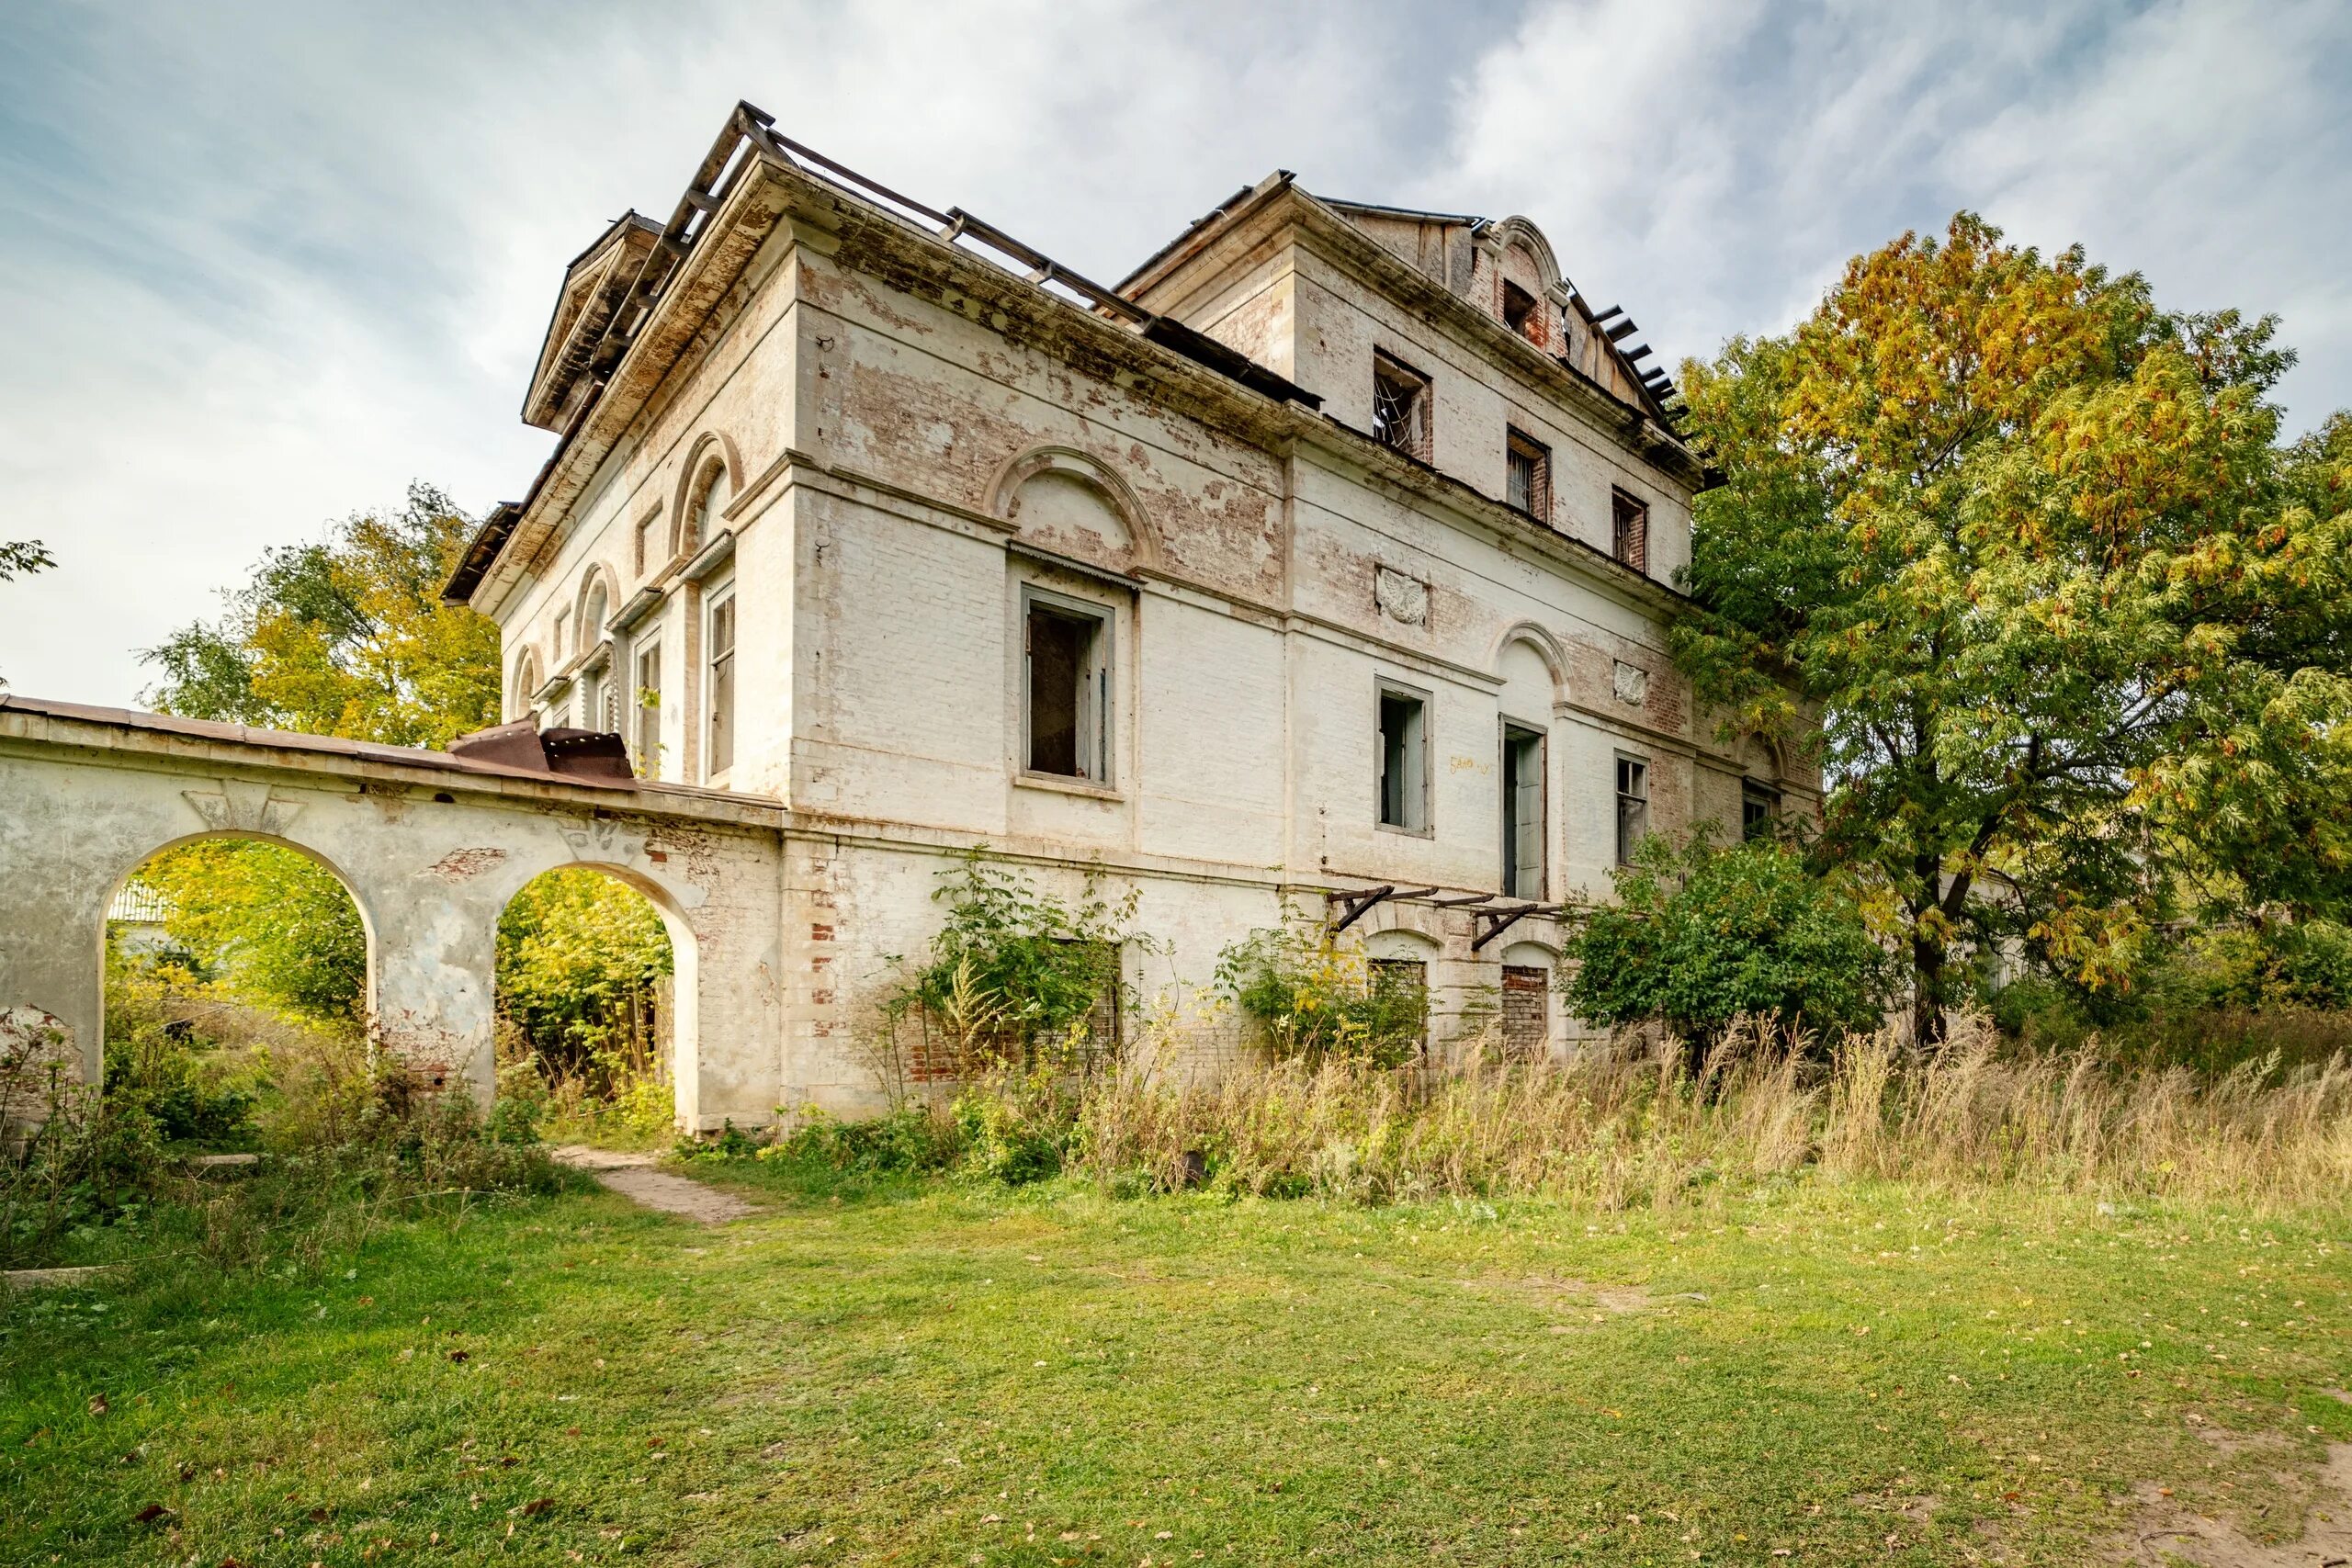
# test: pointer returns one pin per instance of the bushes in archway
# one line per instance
(270, 924)
(584, 966)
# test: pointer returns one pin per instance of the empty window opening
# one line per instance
(1404, 982)
(1519, 313)
(1759, 805)
(1404, 759)
(648, 739)
(1067, 652)
(1527, 476)
(1400, 407)
(1522, 770)
(1630, 539)
(1633, 807)
(719, 640)
(1527, 1024)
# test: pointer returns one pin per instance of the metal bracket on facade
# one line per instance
(1359, 904)
(1488, 924)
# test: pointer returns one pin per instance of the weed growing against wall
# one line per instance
(1314, 999)
(1016, 980)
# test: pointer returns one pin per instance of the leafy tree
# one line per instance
(1701, 935)
(2068, 619)
(580, 961)
(347, 637)
(268, 921)
(20, 557)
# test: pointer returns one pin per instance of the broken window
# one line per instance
(1527, 476)
(1404, 980)
(1630, 539)
(1519, 313)
(1522, 770)
(1633, 807)
(1527, 1025)
(1400, 407)
(1404, 784)
(1066, 650)
(1758, 804)
(648, 711)
(718, 642)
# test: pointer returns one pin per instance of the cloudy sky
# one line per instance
(260, 264)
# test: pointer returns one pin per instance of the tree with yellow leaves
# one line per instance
(2072, 625)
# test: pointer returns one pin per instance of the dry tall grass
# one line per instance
(1636, 1127)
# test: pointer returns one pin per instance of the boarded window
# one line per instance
(1067, 700)
(1527, 476)
(1633, 807)
(648, 711)
(1757, 808)
(1629, 540)
(1404, 759)
(720, 642)
(1522, 805)
(1527, 1026)
(1400, 407)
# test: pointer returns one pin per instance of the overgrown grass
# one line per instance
(936, 1372)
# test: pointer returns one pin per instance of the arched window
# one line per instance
(591, 617)
(713, 489)
(526, 683)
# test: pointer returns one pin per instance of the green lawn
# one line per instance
(957, 1375)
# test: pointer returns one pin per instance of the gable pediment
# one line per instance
(595, 288)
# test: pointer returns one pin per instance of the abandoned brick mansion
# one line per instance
(1326, 563)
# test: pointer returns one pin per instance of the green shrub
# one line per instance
(1702, 935)
(909, 1141)
(1315, 999)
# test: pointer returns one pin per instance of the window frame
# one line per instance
(1384, 688)
(1520, 445)
(1420, 438)
(1753, 792)
(1097, 719)
(719, 597)
(1629, 547)
(646, 725)
(1638, 799)
(1514, 732)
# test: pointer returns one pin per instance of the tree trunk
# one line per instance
(1927, 990)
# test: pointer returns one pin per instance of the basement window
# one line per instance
(1527, 476)
(1400, 407)
(1629, 534)
(1066, 711)
(1523, 770)
(1403, 782)
(1520, 314)
(1404, 980)
(1633, 807)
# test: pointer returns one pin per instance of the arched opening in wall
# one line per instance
(590, 976)
(236, 966)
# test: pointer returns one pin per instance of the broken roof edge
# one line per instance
(727, 169)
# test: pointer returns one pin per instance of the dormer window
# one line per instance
(1400, 407)
(1519, 313)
